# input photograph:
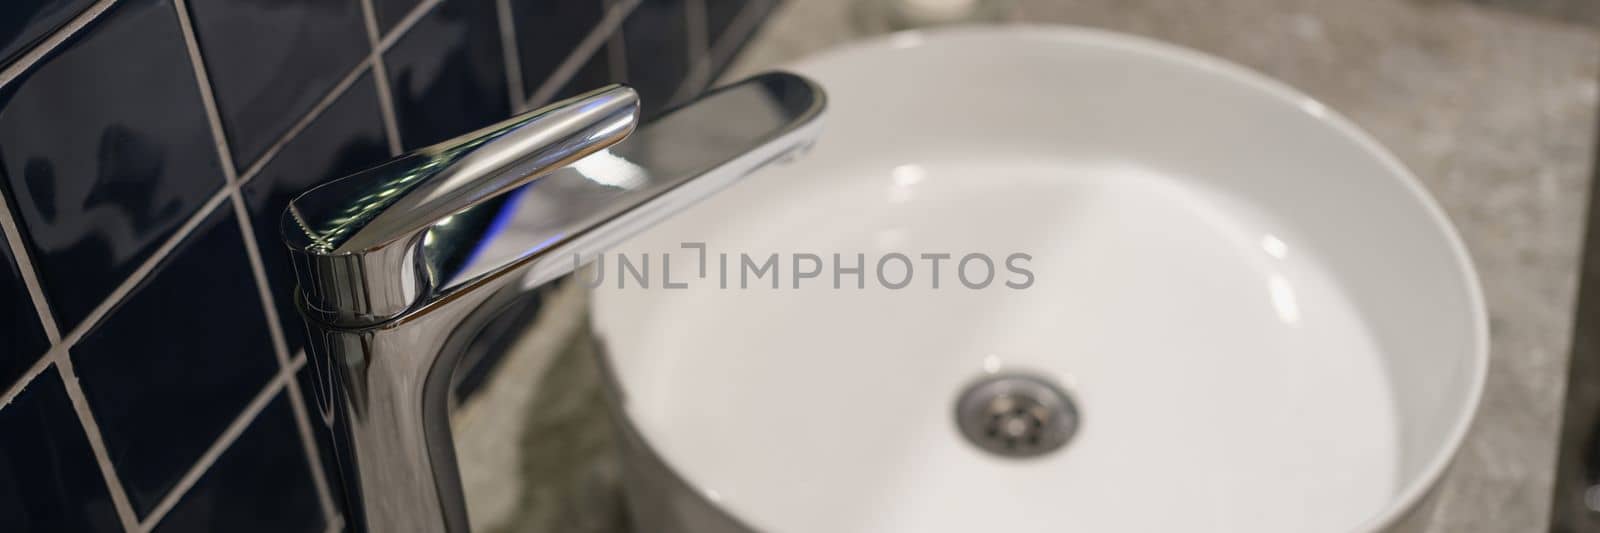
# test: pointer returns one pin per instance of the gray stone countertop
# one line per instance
(1491, 102)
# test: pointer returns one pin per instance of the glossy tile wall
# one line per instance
(151, 371)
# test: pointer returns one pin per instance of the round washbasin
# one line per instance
(1256, 318)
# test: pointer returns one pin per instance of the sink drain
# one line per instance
(1016, 415)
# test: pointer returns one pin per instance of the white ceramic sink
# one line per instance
(1265, 323)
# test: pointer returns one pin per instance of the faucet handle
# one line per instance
(354, 240)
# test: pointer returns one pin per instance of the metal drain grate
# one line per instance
(1016, 415)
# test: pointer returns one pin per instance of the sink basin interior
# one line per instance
(1264, 322)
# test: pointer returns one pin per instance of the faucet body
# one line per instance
(401, 266)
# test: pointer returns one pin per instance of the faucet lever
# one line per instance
(402, 267)
(357, 241)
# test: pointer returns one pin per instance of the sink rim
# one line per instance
(1409, 495)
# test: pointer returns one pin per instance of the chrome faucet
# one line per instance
(401, 265)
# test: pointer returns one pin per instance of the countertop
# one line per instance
(1492, 103)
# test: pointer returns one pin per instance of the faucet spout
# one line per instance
(363, 243)
(400, 266)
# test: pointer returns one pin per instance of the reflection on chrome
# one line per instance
(400, 266)
(605, 168)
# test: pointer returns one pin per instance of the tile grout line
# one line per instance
(258, 272)
(53, 41)
(586, 48)
(205, 210)
(391, 125)
(285, 380)
(308, 444)
(27, 377)
(59, 354)
(618, 59)
(742, 27)
(380, 72)
(30, 277)
(699, 50)
(400, 28)
(305, 121)
(509, 52)
(194, 220)
(61, 357)
(252, 251)
(219, 139)
(97, 444)
(743, 23)
(280, 347)
(240, 423)
(144, 269)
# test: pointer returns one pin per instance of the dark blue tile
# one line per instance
(655, 37)
(447, 74)
(261, 484)
(270, 61)
(177, 360)
(48, 478)
(347, 137)
(19, 325)
(548, 31)
(594, 74)
(389, 12)
(107, 150)
(24, 23)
